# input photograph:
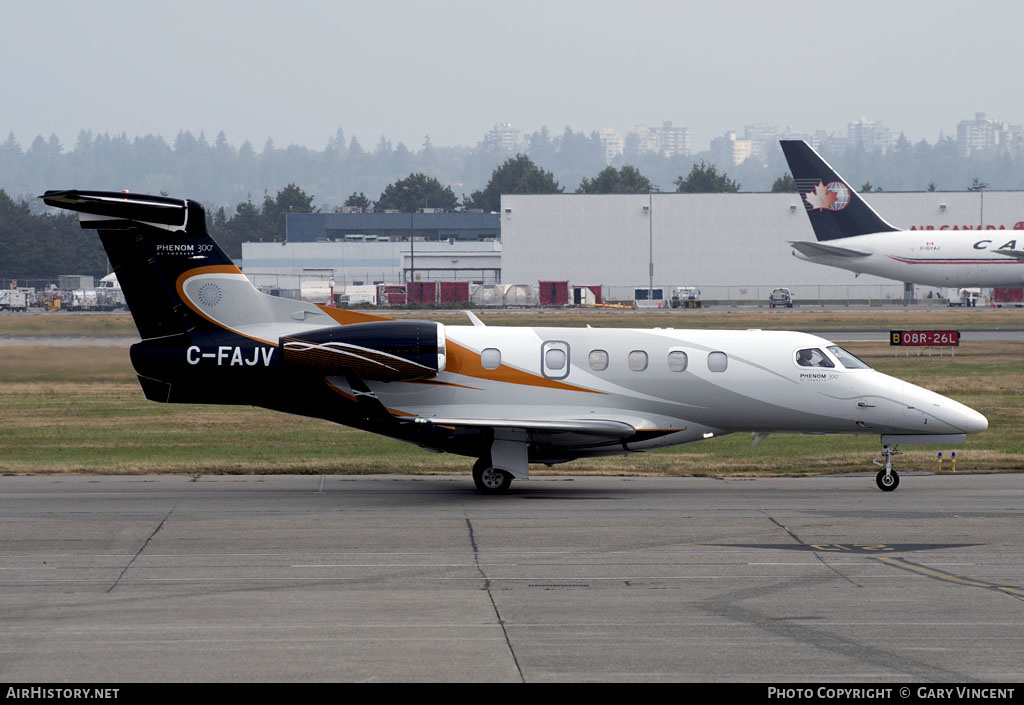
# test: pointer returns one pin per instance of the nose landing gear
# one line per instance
(887, 479)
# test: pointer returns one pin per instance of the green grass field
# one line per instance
(80, 410)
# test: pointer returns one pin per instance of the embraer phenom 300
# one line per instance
(508, 396)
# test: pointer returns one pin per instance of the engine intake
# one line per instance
(389, 351)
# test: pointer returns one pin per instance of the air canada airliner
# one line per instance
(851, 235)
(506, 396)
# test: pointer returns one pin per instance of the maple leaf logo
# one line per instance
(820, 198)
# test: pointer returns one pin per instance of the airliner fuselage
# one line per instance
(851, 235)
(929, 257)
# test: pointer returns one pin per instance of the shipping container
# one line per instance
(487, 295)
(520, 295)
(553, 293)
(586, 295)
(391, 295)
(1003, 295)
(454, 292)
(424, 292)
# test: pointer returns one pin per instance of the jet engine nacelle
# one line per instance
(389, 351)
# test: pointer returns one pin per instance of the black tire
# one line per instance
(490, 480)
(887, 484)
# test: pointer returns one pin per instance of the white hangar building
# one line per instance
(733, 246)
(283, 265)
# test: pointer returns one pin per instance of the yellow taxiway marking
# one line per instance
(948, 577)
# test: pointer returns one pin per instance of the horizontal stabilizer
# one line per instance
(1016, 254)
(112, 209)
(817, 249)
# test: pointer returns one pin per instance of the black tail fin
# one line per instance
(834, 208)
(150, 241)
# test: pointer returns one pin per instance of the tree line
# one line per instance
(41, 246)
(37, 245)
(221, 174)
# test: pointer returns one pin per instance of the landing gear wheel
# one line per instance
(490, 480)
(887, 479)
(887, 482)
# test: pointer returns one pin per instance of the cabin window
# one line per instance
(490, 358)
(718, 361)
(677, 361)
(637, 360)
(554, 359)
(598, 360)
(812, 357)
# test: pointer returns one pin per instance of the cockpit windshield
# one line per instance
(812, 357)
(848, 359)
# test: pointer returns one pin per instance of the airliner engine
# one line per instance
(381, 350)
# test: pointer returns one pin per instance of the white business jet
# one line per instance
(507, 396)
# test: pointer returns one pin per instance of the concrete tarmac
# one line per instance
(401, 578)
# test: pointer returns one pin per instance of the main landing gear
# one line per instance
(490, 480)
(887, 479)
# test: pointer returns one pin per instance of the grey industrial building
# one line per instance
(732, 246)
(426, 226)
(356, 249)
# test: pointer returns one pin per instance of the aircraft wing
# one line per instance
(543, 433)
(818, 249)
(591, 427)
(1016, 254)
(550, 432)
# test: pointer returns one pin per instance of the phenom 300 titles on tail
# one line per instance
(507, 396)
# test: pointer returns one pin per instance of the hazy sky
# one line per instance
(296, 70)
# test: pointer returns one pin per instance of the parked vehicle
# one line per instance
(780, 297)
(685, 297)
(968, 298)
(13, 300)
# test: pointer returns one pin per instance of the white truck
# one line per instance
(355, 294)
(13, 300)
(685, 297)
(83, 300)
(780, 296)
(968, 298)
(109, 295)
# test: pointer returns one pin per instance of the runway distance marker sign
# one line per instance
(950, 338)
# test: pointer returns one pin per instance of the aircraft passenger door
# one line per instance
(554, 359)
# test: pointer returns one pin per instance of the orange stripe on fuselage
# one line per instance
(346, 317)
(463, 361)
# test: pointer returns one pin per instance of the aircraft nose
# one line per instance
(971, 421)
(962, 417)
(950, 412)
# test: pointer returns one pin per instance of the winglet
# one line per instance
(476, 321)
